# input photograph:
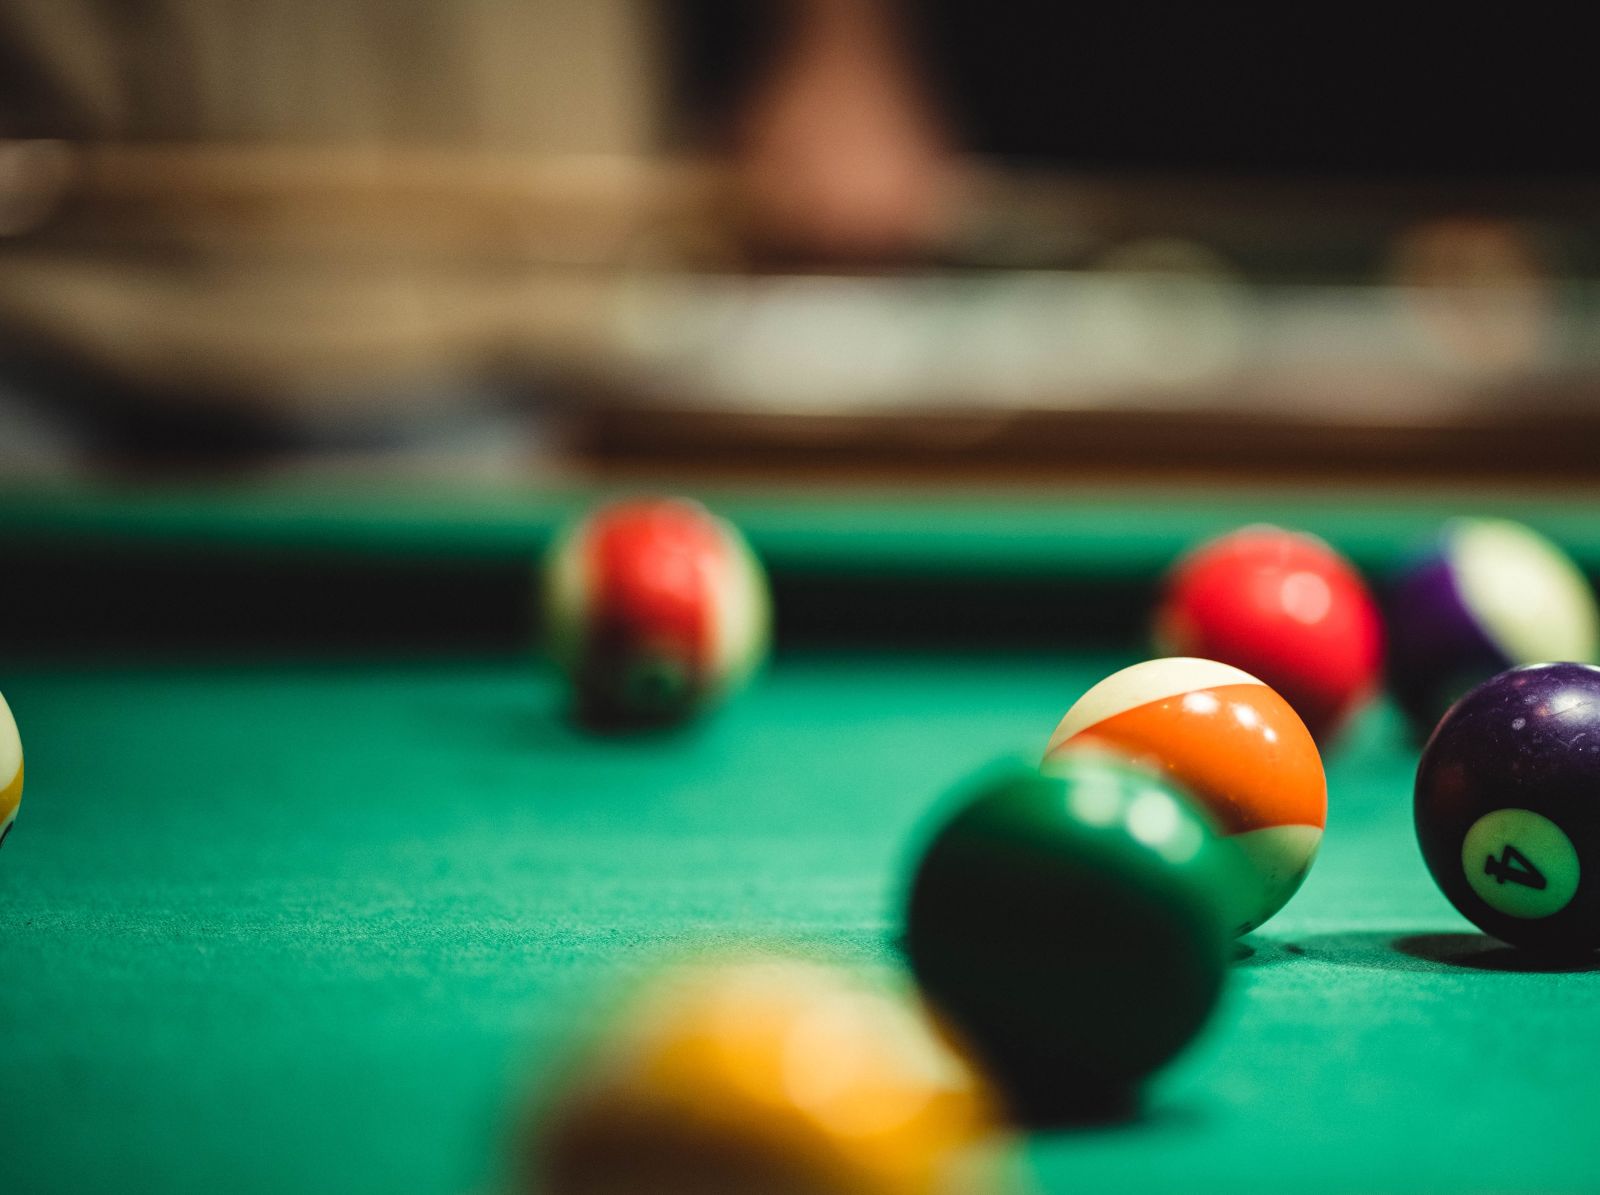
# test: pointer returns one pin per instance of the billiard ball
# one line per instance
(654, 609)
(1283, 606)
(765, 1073)
(1508, 806)
(1071, 927)
(1488, 595)
(10, 770)
(1233, 745)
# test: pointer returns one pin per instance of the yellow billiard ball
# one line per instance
(766, 1075)
(10, 769)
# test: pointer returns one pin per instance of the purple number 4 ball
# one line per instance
(1508, 806)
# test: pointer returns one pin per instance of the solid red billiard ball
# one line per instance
(654, 608)
(1285, 607)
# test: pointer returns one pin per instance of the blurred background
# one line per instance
(551, 239)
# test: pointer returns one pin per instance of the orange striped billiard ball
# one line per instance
(1234, 746)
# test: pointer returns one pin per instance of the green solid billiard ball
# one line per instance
(1071, 928)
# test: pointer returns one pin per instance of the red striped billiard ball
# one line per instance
(654, 609)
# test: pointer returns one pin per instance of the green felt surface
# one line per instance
(1118, 531)
(268, 928)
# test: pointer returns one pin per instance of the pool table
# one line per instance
(314, 879)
